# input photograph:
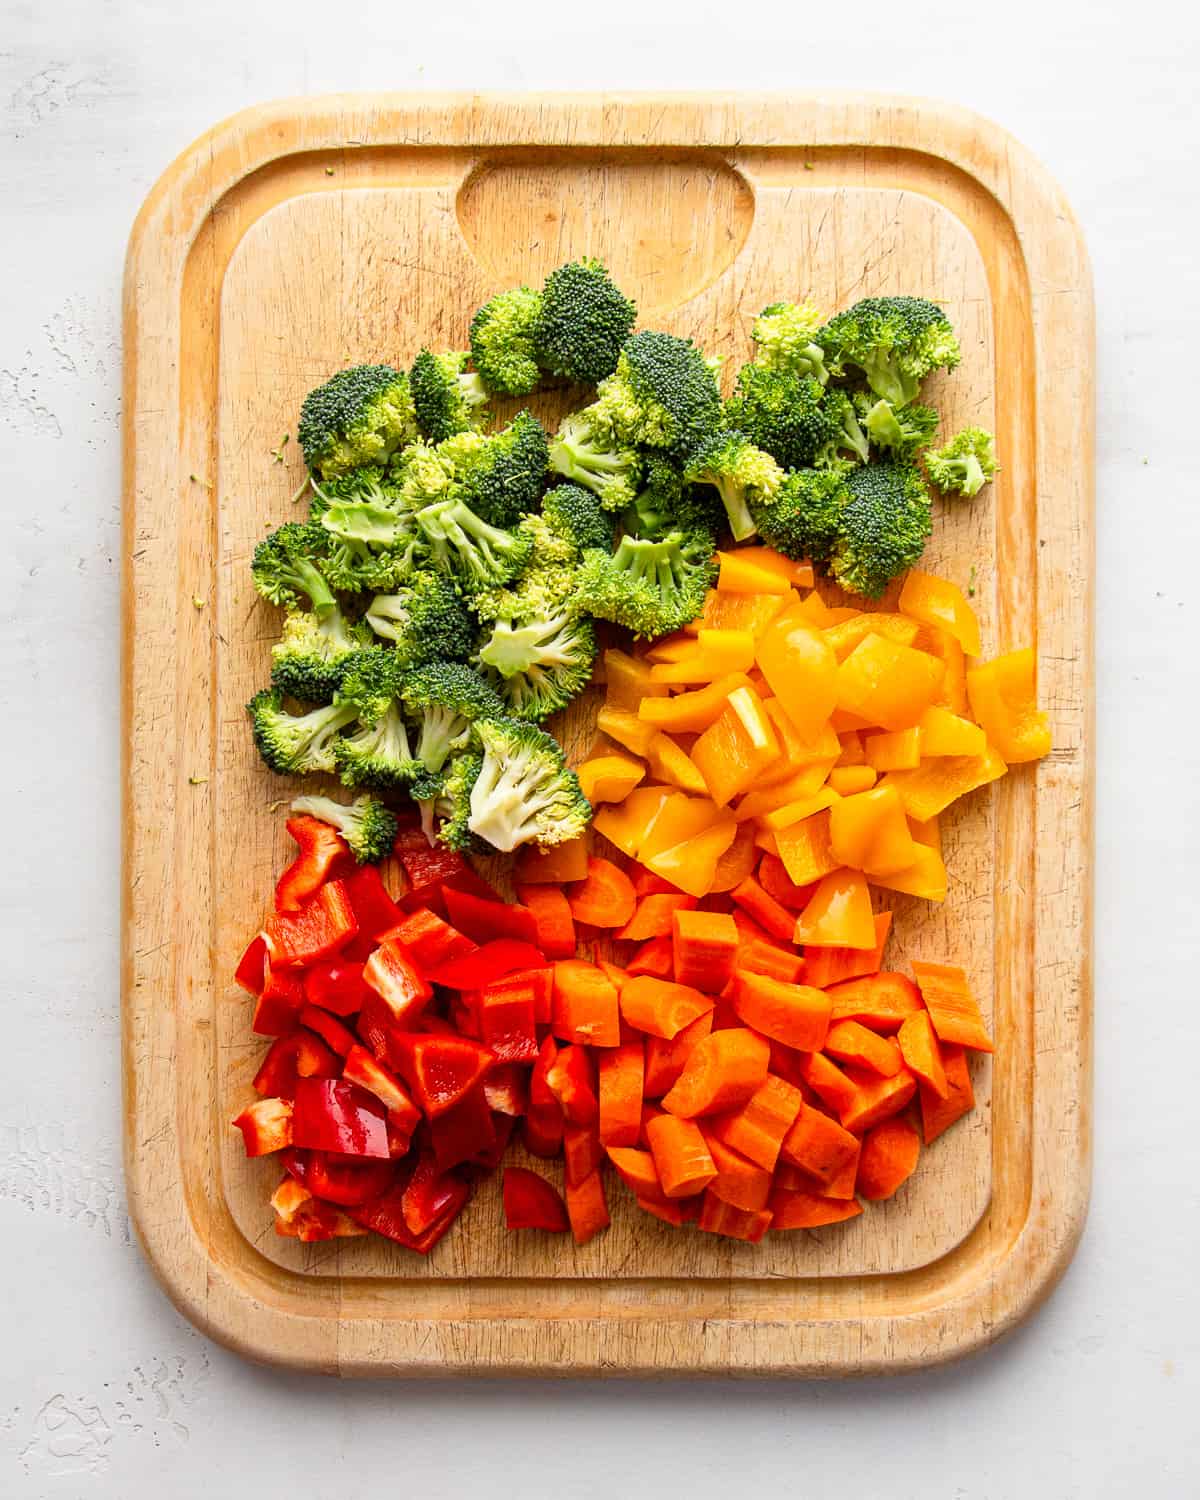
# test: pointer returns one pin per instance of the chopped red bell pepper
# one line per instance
(266, 1125)
(429, 940)
(490, 962)
(440, 1070)
(334, 1181)
(363, 1069)
(552, 913)
(318, 930)
(530, 1202)
(252, 966)
(390, 972)
(374, 910)
(280, 1003)
(464, 1013)
(544, 1119)
(507, 1012)
(506, 1090)
(338, 1116)
(291, 1058)
(337, 985)
(572, 1080)
(399, 1140)
(490, 1157)
(428, 1193)
(463, 1132)
(318, 1221)
(328, 1028)
(385, 1215)
(430, 869)
(323, 853)
(486, 920)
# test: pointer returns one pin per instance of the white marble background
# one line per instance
(104, 1391)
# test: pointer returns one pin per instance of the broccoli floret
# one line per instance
(366, 825)
(743, 475)
(467, 549)
(524, 792)
(502, 341)
(538, 663)
(452, 803)
(785, 334)
(379, 752)
(784, 414)
(587, 456)
(582, 322)
(360, 416)
(369, 548)
(575, 515)
(425, 621)
(965, 464)
(651, 587)
(545, 587)
(899, 431)
(307, 661)
(846, 434)
(446, 699)
(445, 399)
(882, 527)
(663, 394)
(430, 473)
(894, 341)
(802, 520)
(667, 502)
(287, 567)
(293, 744)
(502, 480)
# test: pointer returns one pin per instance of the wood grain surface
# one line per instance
(303, 236)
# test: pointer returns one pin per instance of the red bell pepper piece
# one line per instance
(463, 1132)
(345, 1183)
(390, 972)
(328, 1028)
(464, 1014)
(323, 853)
(317, 1221)
(492, 961)
(336, 985)
(338, 1116)
(252, 966)
(430, 869)
(363, 1069)
(490, 1157)
(571, 1078)
(428, 1193)
(506, 1090)
(399, 1140)
(280, 1003)
(544, 1120)
(429, 940)
(318, 930)
(552, 913)
(530, 1202)
(374, 910)
(486, 920)
(385, 1215)
(507, 1012)
(440, 1070)
(266, 1125)
(291, 1058)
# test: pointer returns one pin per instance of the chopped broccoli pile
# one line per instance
(882, 528)
(445, 398)
(650, 587)
(451, 804)
(894, 341)
(295, 744)
(575, 515)
(358, 417)
(379, 752)
(965, 464)
(802, 519)
(287, 567)
(503, 348)
(366, 824)
(524, 792)
(503, 479)
(743, 475)
(899, 431)
(444, 699)
(582, 322)
(466, 549)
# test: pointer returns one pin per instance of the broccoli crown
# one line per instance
(899, 431)
(663, 394)
(430, 473)
(360, 567)
(743, 475)
(882, 527)
(574, 514)
(585, 454)
(786, 337)
(965, 464)
(359, 416)
(538, 663)
(784, 414)
(545, 587)
(365, 824)
(503, 479)
(292, 744)
(651, 587)
(894, 341)
(370, 682)
(445, 399)
(502, 341)
(308, 659)
(524, 792)
(378, 754)
(465, 548)
(582, 322)
(287, 567)
(452, 803)
(667, 502)
(371, 482)
(425, 621)
(445, 698)
(802, 519)
(365, 521)
(847, 434)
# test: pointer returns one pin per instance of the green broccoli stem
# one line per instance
(887, 379)
(733, 498)
(506, 800)
(540, 643)
(442, 732)
(307, 577)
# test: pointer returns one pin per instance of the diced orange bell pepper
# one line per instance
(802, 672)
(844, 637)
(869, 832)
(888, 684)
(752, 612)
(626, 728)
(736, 863)
(555, 864)
(826, 966)
(692, 864)
(768, 795)
(677, 647)
(799, 751)
(610, 777)
(927, 832)
(812, 610)
(628, 681)
(716, 653)
(947, 648)
(805, 849)
(839, 914)
(691, 713)
(925, 877)
(796, 812)
(680, 817)
(628, 824)
(797, 574)
(935, 784)
(942, 733)
(734, 750)
(898, 751)
(850, 749)
(937, 601)
(847, 781)
(671, 764)
(744, 573)
(1003, 694)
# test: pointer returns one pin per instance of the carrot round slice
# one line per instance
(605, 898)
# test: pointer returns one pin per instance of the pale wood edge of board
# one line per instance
(265, 1313)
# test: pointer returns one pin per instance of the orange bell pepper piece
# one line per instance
(734, 750)
(714, 654)
(798, 752)
(721, 1073)
(826, 966)
(796, 812)
(797, 574)
(554, 865)
(805, 849)
(844, 637)
(952, 1007)
(671, 764)
(925, 877)
(846, 781)
(802, 671)
(610, 777)
(928, 833)
(629, 824)
(898, 751)
(869, 831)
(935, 784)
(736, 863)
(752, 612)
(1003, 694)
(938, 602)
(680, 817)
(681, 1156)
(691, 713)
(839, 914)
(626, 728)
(769, 796)
(942, 733)
(743, 572)
(628, 681)
(795, 1014)
(888, 684)
(692, 864)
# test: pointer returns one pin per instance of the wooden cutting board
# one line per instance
(304, 235)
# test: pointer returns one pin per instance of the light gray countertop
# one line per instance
(104, 1390)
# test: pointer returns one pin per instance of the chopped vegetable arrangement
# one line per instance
(691, 995)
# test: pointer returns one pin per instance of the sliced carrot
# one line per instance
(652, 918)
(939, 1114)
(754, 956)
(818, 1144)
(952, 1007)
(801, 1210)
(677, 1212)
(721, 1073)
(759, 1128)
(842, 1184)
(681, 1156)
(647, 883)
(582, 1152)
(920, 1050)
(586, 1208)
(766, 911)
(621, 1073)
(851, 1042)
(586, 1006)
(655, 957)
(605, 898)
(775, 880)
(737, 862)
(661, 1007)
(555, 865)
(552, 914)
(635, 1167)
(877, 1098)
(795, 1014)
(704, 944)
(881, 1002)
(828, 966)
(889, 1158)
(738, 1181)
(719, 1217)
(828, 1082)
(665, 1057)
(613, 973)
